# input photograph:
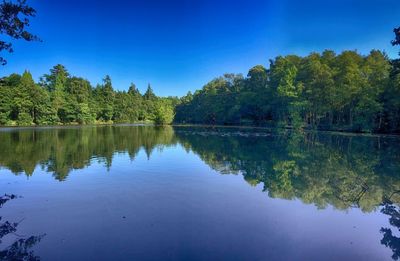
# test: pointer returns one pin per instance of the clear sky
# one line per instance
(179, 45)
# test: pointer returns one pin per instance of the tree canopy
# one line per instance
(326, 91)
(346, 92)
(60, 98)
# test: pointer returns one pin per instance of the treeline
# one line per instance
(60, 98)
(349, 92)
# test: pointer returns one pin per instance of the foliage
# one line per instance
(60, 98)
(326, 91)
(14, 18)
(164, 113)
(345, 92)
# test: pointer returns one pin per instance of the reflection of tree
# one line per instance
(21, 248)
(390, 240)
(6, 198)
(321, 169)
(60, 150)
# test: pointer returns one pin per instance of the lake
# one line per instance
(197, 193)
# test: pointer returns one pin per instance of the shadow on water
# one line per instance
(20, 249)
(343, 171)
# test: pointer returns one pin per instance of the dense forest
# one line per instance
(348, 91)
(60, 98)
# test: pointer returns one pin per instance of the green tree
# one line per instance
(164, 113)
(257, 78)
(30, 100)
(105, 96)
(78, 94)
(369, 109)
(149, 94)
(6, 101)
(349, 82)
(286, 91)
(55, 83)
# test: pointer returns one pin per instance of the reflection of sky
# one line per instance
(175, 205)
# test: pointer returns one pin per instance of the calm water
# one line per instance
(152, 193)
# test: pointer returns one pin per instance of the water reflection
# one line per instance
(389, 238)
(338, 170)
(20, 249)
(60, 150)
(343, 171)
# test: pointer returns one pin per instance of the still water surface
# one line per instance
(185, 193)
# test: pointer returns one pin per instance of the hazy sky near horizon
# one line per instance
(179, 45)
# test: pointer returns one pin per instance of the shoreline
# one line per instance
(271, 129)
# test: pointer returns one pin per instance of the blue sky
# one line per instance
(179, 45)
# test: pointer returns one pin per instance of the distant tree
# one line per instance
(79, 88)
(149, 94)
(6, 103)
(78, 92)
(55, 83)
(105, 96)
(133, 90)
(14, 18)
(57, 78)
(346, 92)
(164, 113)
(369, 108)
(257, 77)
(289, 92)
